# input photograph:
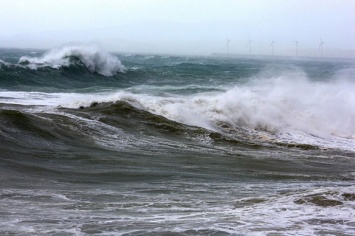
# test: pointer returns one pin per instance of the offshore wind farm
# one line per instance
(290, 49)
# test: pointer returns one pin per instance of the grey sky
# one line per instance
(181, 26)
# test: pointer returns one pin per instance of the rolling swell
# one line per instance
(108, 141)
(117, 142)
(102, 127)
(20, 130)
(53, 145)
(123, 115)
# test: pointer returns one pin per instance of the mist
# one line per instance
(183, 27)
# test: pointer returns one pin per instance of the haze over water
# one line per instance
(183, 27)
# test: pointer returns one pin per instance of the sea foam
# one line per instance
(273, 105)
(4, 63)
(287, 107)
(319, 108)
(93, 57)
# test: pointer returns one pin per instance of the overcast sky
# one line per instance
(181, 26)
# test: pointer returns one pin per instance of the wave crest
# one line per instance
(4, 63)
(93, 58)
(278, 110)
(277, 105)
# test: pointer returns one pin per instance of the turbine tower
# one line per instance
(249, 43)
(227, 45)
(296, 42)
(272, 44)
(321, 46)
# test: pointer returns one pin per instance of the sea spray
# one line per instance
(93, 58)
(269, 104)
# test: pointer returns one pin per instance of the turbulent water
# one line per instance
(104, 144)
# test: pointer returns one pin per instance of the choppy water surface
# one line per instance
(106, 144)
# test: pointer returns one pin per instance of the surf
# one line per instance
(94, 58)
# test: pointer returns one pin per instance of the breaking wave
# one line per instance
(280, 109)
(284, 107)
(4, 63)
(319, 108)
(92, 57)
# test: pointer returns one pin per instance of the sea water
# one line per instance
(98, 143)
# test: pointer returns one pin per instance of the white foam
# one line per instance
(285, 208)
(284, 108)
(319, 113)
(94, 58)
(39, 98)
(289, 108)
(4, 63)
(283, 213)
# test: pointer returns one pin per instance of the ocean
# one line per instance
(97, 143)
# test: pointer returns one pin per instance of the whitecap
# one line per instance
(93, 57)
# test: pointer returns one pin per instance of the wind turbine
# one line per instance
(249, 43)
(227, 45)
(296, 42)
(321, 46)
(272, 44)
